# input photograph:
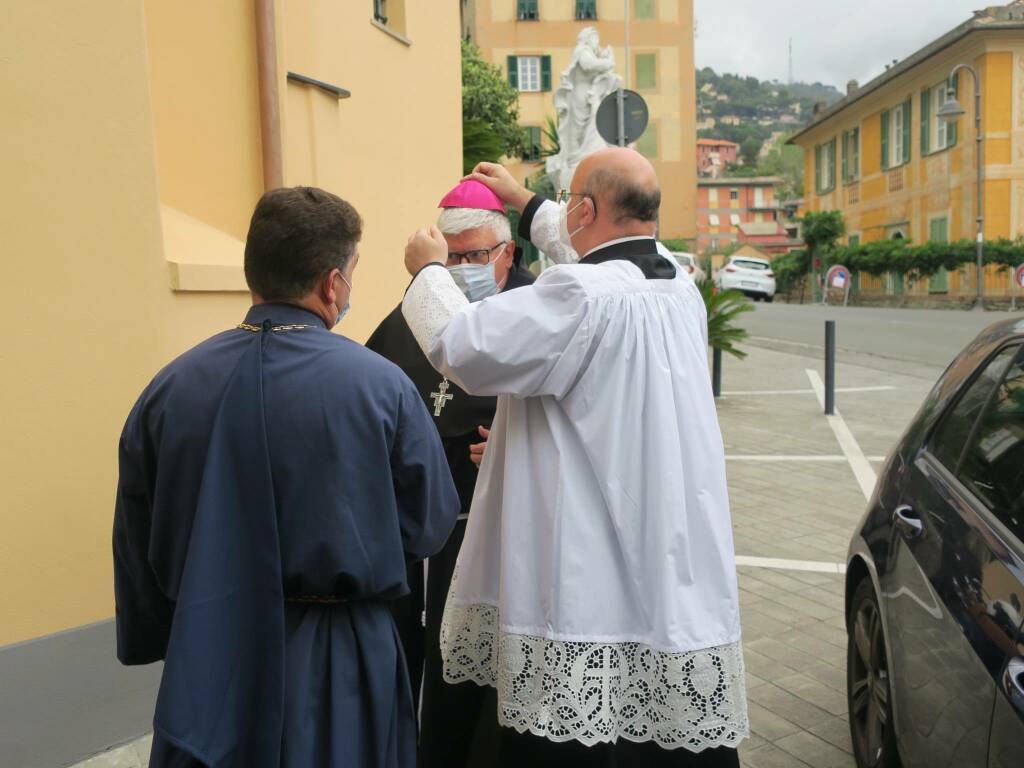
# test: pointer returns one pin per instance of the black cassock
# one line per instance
(275, 483)
(458, 722)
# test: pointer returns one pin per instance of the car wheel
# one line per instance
(868, 691)
(769, 299)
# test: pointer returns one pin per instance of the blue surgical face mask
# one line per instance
(476, 281)
(348, 302)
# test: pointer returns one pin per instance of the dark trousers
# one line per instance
(528, 751)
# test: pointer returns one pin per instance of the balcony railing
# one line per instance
(896, 179)
(853, 193)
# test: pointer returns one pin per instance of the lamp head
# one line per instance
(950, 111)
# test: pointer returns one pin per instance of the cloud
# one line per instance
(833, 41)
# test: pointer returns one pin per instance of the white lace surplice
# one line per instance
(596, 586)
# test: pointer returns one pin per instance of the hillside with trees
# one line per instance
(751, 112)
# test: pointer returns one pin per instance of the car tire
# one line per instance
(769, 299)
(868, 688)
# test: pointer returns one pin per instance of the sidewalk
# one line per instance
(795, 503)
(796, 500)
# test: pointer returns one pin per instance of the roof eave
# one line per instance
(932, 49)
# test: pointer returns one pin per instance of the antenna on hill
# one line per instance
(791, 61)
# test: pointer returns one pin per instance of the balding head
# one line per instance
(624, 189)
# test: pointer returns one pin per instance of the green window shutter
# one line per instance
(951, 126)
(906, 131)
(926, 117)
(817, 169)
(855, 167)
(646, 74)
(832, 164)
(846, 156)
(885, 140)
(643, 10)
(513, 71)
(853, 241)
(938, 230)
(647, 145)
(545, 73)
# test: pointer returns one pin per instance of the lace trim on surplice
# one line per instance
(599, 692)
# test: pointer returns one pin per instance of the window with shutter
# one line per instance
(855, 153)
(846, 157)
(545, 73)
(532, 145)
(526, 10)
(513, 71)
(586, 10)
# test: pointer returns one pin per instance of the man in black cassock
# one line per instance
(458, 724)
(275, 481)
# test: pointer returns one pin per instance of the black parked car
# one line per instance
(935, 583)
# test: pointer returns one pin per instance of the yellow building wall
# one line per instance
(942, 183)
(107, 179)
(672, 103)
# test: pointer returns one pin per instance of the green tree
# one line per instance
(787, 162)
(489, 103)
(749, 150)
(821, 231)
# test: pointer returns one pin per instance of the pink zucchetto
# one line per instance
(472, 194)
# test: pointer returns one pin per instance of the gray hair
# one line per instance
(455, 221)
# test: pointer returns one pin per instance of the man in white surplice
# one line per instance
(596, 589)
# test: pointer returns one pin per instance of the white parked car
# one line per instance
(748, 274)
(687, 261)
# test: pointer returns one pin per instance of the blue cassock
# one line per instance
(275, 481)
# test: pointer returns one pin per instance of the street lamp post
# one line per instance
(951, 111)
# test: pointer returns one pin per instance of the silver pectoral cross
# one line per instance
(441, 397)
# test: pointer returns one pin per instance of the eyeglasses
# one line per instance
(481, 257)
(564, 195)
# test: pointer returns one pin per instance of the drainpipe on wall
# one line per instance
(270, 111)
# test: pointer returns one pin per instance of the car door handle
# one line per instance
(907, 522)
(1013, 682)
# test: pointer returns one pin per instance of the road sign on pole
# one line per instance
(634, 117)
(838, 277)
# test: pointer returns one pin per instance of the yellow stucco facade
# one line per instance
(661, 35)
(132, 139)
(930, 191)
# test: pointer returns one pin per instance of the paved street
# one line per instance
(795, 502)
(896, 339)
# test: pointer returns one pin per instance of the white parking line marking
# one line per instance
(859, 463)
(817, 457)
(790, 565)
(741, 392)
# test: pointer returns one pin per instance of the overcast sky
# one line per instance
(833, 40)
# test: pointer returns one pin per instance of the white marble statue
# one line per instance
(589, 78)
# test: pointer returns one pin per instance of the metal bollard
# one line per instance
(830, 367)
(716, 372)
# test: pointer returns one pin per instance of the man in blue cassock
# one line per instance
(275, 482)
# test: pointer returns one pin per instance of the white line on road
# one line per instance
(790, 565)
(859, 463)
(825, 457)
(738, 393)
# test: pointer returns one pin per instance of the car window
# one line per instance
(993, 464)
(947, 444)
(683, 259)
(755, 265)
